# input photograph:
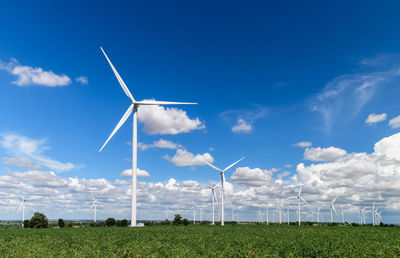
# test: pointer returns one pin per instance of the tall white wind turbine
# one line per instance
(222, 172)
(266, 210)
(133, 108)
(214, 199)
(94, 205)
(299, 197)
(332, 208)
(22, 206)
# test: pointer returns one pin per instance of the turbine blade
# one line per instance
(334, 199)
(214, 167)
(304, 200)
(120, 123)
(92, 206)
(155, 102)
(215, 186)
(301, 187)
(92, 196)
(215, 196)
(121, 82)
(333, 208)
(228, 167)
(20, 206)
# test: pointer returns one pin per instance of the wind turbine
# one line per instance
(95, 202)
(266, 209)
(341, 209)
(194, 212)
(22, 205)
(299, 197)
(332, 208)
(133, 107)
(319, 208)
(214, 199)
(222, 173)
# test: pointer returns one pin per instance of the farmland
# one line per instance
(196, 240)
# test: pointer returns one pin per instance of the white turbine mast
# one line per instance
(222, 173)
(22, 206)
(332, 208)
(94, 205)
(342, 211)
(214, 199)
(133, 108)
(319, 208)
(266, 210)
(299, 197)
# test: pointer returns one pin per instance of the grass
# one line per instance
(231, 240)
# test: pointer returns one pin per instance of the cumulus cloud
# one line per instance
(242, 127)
(242, 120)
(22, 146)
(375, 118)
(167, 120)
(395, 122)
(245, 176)
(140, 173)
(302, 144)
(183, 158)
(82, 80)
(162, 144)
(323, 154)
(27, 75)
(389, 147)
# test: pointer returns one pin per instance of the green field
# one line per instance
(189, 241)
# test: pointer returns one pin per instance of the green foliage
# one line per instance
(110, 222)
(26, 224)
(122, 223)
(38, 220)
(185, 222)
(177, 220)
(61, 223)
(203, 241)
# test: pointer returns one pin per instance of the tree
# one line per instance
(185, 222)
(110, 222)
(61, 223)
(177, 220)
(39, 220)
(26, 224)
(123, 223)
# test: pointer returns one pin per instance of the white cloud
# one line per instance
(242, 120)
(140, 173)
(302, 144)
(183, 157)
(375, 118)
(323, 154)
(395, 122)
(167, 120)
(288, 166)
(242, 127)
(82, 80)
(27, 75)
(20, 162)
(389, 146)
(245, 176)
(162, 144)
(19, 145)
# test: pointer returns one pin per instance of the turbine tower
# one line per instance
(94, 205)
(222, 172)
(214, 199)
(299, 197)
(22, 205)
(266, 209)
(133, 107)
(332, 208)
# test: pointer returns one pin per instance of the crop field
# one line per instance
(189, 241)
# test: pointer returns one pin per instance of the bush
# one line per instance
(177, 220)
(185, 222)
(61, 223)
(26, 224)
(110, 222)
(39, 220)
(122, 223)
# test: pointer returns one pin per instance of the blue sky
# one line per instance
(266, 76)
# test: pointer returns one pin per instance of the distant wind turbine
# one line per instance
(214, 199)
(133, 107)
(222, 184)
(22, 205)
(332, 208)
(94, 205)
(299, 197)
(266, 210)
